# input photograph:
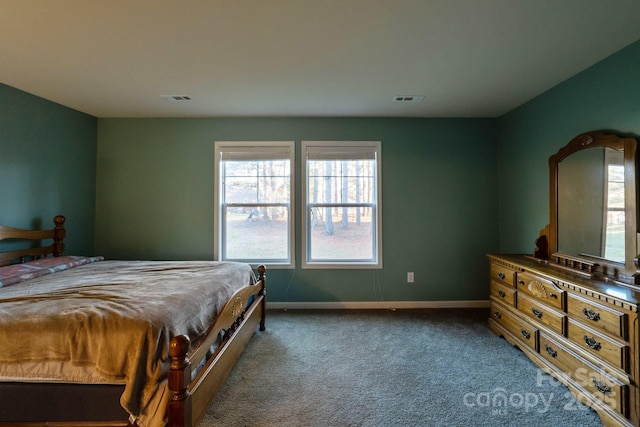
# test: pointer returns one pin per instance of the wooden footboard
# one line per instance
(234, 327)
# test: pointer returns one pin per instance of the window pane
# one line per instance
(614, 236)
(341, 181)
(341, 233)
(256, 181)
(616, 187)
(240, 190)
(256, 233)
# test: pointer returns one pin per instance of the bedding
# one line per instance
(87, 320)
(17, 273)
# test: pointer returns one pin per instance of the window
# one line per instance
(342, 219)
(614, 245)
(253, 193)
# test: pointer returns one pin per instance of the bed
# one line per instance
(88, 341)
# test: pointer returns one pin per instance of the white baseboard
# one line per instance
(383, 305)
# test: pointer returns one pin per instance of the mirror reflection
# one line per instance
(591, 205)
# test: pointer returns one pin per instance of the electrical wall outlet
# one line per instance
(410, 277)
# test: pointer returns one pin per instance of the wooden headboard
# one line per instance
(57, 233)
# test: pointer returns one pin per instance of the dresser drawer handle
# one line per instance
(525, 333)
(550, 350)
(591, 342)
(502, 294)
(553, 296)
(497, 314)
(501, 275)
(537, 313)
(601, 386)
(591, 315)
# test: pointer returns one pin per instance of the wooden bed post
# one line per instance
(263, 277)
(179, 411)
(58, 235)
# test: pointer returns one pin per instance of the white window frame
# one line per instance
(362, 147)
(247, 148)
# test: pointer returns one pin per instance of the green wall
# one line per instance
(155, 183)
(47, 166)
(606, 96)
(453, 190)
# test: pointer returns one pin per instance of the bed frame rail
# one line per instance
(56, 249)
(234, 326)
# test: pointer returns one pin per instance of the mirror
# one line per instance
(591, 214)
(593, 222)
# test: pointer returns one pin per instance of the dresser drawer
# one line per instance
(503, 293)
(541, 313)
(541, 289)
(502, 274)
(521, 329)
(598, 316)
(610, 351)
(601, 386)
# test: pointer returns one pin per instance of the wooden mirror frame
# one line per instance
(626, 273)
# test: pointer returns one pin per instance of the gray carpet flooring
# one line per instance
(439, 367)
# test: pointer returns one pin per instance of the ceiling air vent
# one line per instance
(176, 98)
(408, 98)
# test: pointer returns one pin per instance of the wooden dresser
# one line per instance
(583, 332)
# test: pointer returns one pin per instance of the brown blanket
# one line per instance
(111, 319)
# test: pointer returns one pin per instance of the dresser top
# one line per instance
(605, 290)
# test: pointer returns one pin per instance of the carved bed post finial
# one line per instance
(59, 233)
(179, 412)
(263, 291)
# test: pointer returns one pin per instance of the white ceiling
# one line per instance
(468, 58)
